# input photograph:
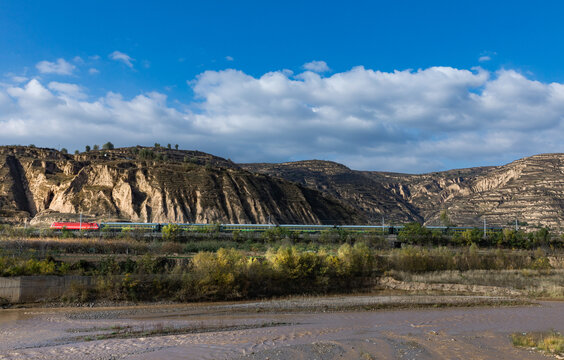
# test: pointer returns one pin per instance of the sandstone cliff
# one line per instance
(368, 194)
(191, 186)
(530, 190)
(180, 186)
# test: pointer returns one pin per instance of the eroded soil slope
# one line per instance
(178, 186)
(530, 190)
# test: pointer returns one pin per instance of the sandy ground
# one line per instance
(341, 327)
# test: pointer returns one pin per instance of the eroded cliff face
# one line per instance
(367, 194)
(191, 186)
(114, 185)
(530, 190)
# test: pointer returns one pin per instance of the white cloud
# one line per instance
(229, 58)
(60, 67)
(93, 71)
(119, 56)
(19, 79)
(77, 59)
(409, 121)
(70, 90)
(316, 66)
(484, 58)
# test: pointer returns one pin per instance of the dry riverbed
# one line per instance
(335, 327)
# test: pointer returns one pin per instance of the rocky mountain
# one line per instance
(167, 185)
(153, 185)
(367, 192)
(530, 190)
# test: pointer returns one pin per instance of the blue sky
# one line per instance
(397, 85)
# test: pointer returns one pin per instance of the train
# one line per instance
(74, 226)
(227, 228)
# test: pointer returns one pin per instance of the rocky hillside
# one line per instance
(165, 185)
(153, 185)
(530, 190)
(368, 194)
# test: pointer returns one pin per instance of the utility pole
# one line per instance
(484, 227)
(269, 221)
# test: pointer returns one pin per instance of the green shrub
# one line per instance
(415, 233)
(171, 232)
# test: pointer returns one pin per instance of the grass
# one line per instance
(141, 270)
(551, 342)
(535, 283)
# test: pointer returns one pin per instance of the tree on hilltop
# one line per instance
(108, 146)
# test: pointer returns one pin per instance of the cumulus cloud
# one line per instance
(124, 58)
(93, 71)
(50, 114)
(70, 90)
(484, 58)
(229, 58)
(316, 66)
(60, 67)
(410, 121)
(19, 79)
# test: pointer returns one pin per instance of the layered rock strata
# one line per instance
(114, 185)
(529, 191)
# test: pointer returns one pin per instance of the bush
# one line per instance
(170, 247)
(219, 275)
(146, 154)
(79, 292)
(171, 232)
(415, 233)
(357, 260)
(275, 234)
(19, 266)
(66, 233)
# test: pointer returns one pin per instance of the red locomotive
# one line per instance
(74, 226)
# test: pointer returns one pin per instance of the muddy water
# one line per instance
(448, 333)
